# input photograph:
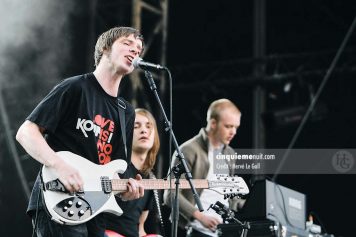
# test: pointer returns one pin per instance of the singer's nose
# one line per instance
(134, 51)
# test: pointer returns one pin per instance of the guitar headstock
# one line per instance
(229, 186)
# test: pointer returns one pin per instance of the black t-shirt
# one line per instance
(127, 223)
(79, 116)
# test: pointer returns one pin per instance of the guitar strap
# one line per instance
(122, 108)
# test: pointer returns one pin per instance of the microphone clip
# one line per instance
(228, 215)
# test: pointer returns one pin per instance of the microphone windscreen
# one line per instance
(136, 62)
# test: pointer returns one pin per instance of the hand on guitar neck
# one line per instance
(135, 189)
(71, 179)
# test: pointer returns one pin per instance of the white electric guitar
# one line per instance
(100, 186)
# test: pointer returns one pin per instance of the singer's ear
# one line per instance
(104, 50)
(213, 123)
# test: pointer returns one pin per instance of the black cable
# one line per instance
(312, 104)
(156, 197)
(170, 141)
(283, 208)
(37, 207)
(170, 112)
(316, 97)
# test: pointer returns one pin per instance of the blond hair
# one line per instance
(217, 106)
(152, 153)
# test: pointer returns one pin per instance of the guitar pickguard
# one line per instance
(73, 208)
(96, 196)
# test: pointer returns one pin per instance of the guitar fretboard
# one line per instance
(150, 184)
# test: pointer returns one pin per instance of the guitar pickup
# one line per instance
(106, 184)
(55, 185)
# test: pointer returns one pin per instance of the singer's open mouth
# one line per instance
(130, 58)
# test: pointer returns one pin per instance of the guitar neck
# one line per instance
(150, 184)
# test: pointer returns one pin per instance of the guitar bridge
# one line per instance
(106, 184)
(55, 185)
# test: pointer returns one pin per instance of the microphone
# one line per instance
(139, 63)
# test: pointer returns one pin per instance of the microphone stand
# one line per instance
(179, 169)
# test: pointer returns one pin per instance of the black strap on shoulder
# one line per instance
(122, 108)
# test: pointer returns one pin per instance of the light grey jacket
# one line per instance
(195, 152)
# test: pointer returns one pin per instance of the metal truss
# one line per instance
(152, 19)
(279, 68)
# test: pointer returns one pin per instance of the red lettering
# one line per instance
(103, 147)
(102, 122)
(104, 135)
(100, 145)
(98, 119)
(103, 159)
(111, 126)
(108, 149)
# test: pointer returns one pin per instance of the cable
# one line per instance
(159, 212)
(170, 143)
(282, 208)
(312, 105)
(155, 193)
(37, 207)
(316, 97)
